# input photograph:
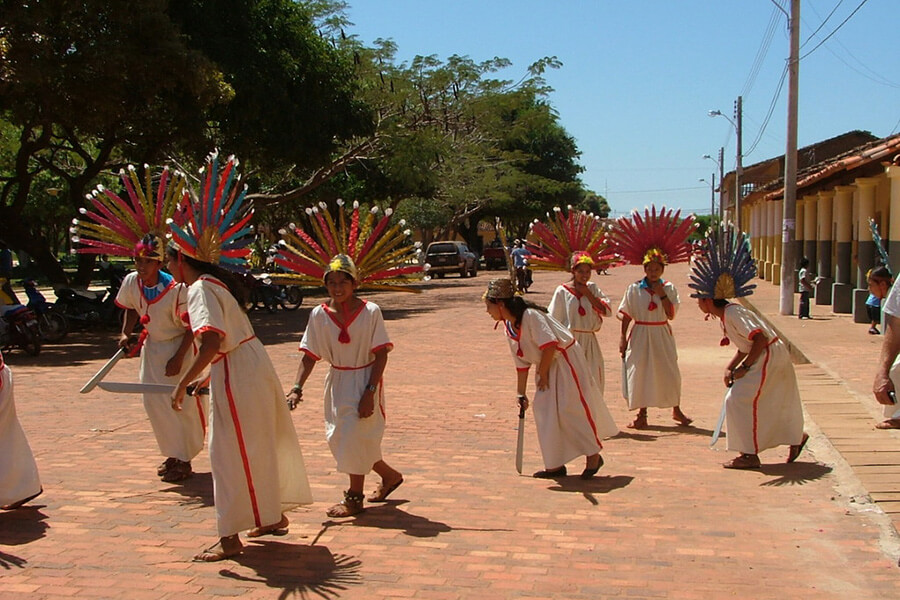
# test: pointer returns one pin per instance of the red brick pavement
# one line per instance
(661, 520)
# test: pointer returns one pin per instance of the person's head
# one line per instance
(581, 264)
(879, 280)
(804, 262)
(341, 279)
(654, 264)
(712, 306)
(498, 298)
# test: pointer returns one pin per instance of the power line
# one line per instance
(761, 53)
(769, 114)
(835, 30)
(822, 24)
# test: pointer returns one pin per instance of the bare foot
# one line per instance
(889, 424)
(279, 528)
(226, 547)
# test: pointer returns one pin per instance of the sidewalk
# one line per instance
(662, 519)
(838, 393)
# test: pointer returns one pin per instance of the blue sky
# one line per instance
(639, 76)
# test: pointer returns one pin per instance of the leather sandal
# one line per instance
(352, 504)
(743, 461)
(550, 474)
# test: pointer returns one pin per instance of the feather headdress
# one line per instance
(879, 245)
(216, 226)
(383, 253)
(656, 236)
(725, 268)
(136, 227)
(567, 239)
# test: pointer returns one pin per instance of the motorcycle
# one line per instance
(523, 277)
(265, 293)
(86, 309)
(19, 329)
(53, 324)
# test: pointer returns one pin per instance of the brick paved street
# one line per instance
(661, 520)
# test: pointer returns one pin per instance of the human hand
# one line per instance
(367, 405)
(881, 388)
(542, 380)
(178, 396)
(294, 397)
(173, 365)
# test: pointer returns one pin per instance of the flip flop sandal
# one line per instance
(797, 449)
(278, 529)
(743, 462)
(352, 504)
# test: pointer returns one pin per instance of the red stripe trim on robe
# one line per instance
(240, 438)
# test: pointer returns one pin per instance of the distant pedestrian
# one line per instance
(651, 373)
(804, 282)
(762, 404)
(569, 412)
(879, 281)
(19, 479)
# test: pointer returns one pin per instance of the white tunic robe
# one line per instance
(570, 415)
(178, 434)
(575, 312)
(354, 442)
(18, 472)
(891, 306)
(651, 359)
(762, 408)
(257, 466)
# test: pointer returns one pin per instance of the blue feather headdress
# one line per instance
(879, 245)
(217, 226)
(725, 268)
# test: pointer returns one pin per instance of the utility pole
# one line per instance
(722, 187)
(789, 223)
(712, 200)
(739, 170)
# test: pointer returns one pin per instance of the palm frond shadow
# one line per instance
(389, 516)
(298, 570)
(797, 473)
(22, 526)
(7, 561)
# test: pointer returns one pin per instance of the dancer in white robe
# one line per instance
(152, 297)
(569, 412)
(649, 351)
(19, 479)
(257, 466)
(349, 334)
(762, 405)
(581, 306)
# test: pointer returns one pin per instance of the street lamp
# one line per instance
(739, 170)
(721, 166)
(712, 196)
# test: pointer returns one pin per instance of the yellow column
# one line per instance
(842, 290)
(777, 217)
(892, 220)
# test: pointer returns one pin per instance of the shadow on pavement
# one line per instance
(298, 570)
(589, 487)
(21, 526)
(797, 473)
(196, 490)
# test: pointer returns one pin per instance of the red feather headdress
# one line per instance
(657, 235)
(566, 236)
(383, 253)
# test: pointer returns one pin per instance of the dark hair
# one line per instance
(720, 302)
(231, 281)
(804, 262)
(880, 274)
(516, 306)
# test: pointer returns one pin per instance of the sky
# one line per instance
(639, 77)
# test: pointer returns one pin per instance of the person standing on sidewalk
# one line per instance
(569, 412)
(648, 351)
(887, 375)
(806, 289)
(257, 465)
(136, 229)
(762, 404)
(19, 479)
(349, 333)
